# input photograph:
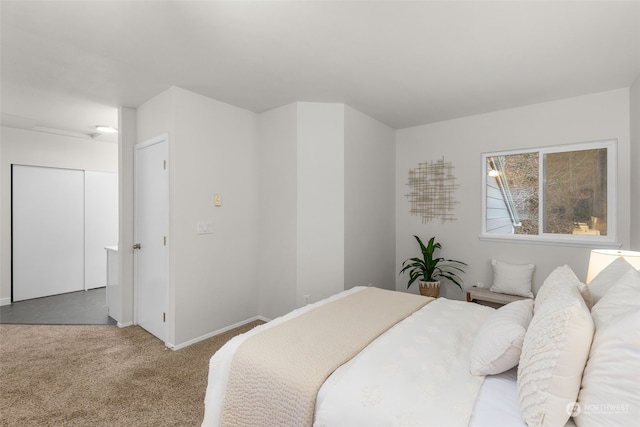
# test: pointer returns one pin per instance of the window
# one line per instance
(562, 194)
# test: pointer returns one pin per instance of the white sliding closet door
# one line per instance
(101, 224)
(48, 231)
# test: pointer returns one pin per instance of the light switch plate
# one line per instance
(204, 228)
(217, 200)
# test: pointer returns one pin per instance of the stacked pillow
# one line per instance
(608, 277)
(498, 343)
(573, 360)
(554, 351)
(610, 390)
(563, 275)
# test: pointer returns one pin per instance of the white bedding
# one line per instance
(497, 403)
(417, 373)
(220, 363)
(411, 373)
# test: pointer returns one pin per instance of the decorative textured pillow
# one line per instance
(608, 277)
(498, 344)
(609, 392)
(559, 277)
(554, 354)
(586, 294)
(513, 279)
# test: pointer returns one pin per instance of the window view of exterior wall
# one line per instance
(576, 192)
(568, 188)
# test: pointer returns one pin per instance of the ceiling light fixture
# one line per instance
(106, 129)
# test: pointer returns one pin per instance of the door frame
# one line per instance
(139, 146)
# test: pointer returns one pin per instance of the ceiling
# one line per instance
(68, 65)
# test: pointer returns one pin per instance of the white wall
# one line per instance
(3, 253)
(278, 219)
(635, 161)
(42, 149)
(127, 137)
(326, 171)
(320, 200)
(212, 150)
(369, 215)
(593, 117)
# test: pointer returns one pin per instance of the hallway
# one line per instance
(74, 308)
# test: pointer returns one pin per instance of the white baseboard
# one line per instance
(5, 301)
(218, 332)
(124, 325)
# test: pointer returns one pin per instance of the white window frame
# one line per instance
(608, 241)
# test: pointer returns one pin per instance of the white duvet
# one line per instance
(415, 374)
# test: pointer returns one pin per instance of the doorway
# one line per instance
(61, 221)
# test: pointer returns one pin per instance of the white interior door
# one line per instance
(48, 231)
(151, 234)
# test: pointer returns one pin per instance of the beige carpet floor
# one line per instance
(101, 376)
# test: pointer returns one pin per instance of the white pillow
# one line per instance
(498, 343)
(624, 295)
(586, 294)
(608, 277)
(609, 392)
(554, 354)
(560, 276)
(563, 275)
(512, 279)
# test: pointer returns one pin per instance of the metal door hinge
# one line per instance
(164, 317)
(164, 240)
(164, 164)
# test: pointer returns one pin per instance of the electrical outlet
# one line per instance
(217, 200)
(306, 299)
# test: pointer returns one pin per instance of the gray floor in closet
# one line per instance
(74, 308)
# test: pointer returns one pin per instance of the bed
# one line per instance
(442, 362)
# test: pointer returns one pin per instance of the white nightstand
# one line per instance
(493, 299)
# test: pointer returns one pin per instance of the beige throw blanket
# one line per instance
(276, 374)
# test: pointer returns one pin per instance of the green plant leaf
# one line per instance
(431, 268)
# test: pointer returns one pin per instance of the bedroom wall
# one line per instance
(278, 219)
(369, 185)
(215, 152)
(325, 173)
(3, 253)
(212, 150)
(42, 149)
(634, 108)
(127, 137)
(320, 200)
(301, 225)
(593, 117)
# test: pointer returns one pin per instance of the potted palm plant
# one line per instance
(428, 270)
